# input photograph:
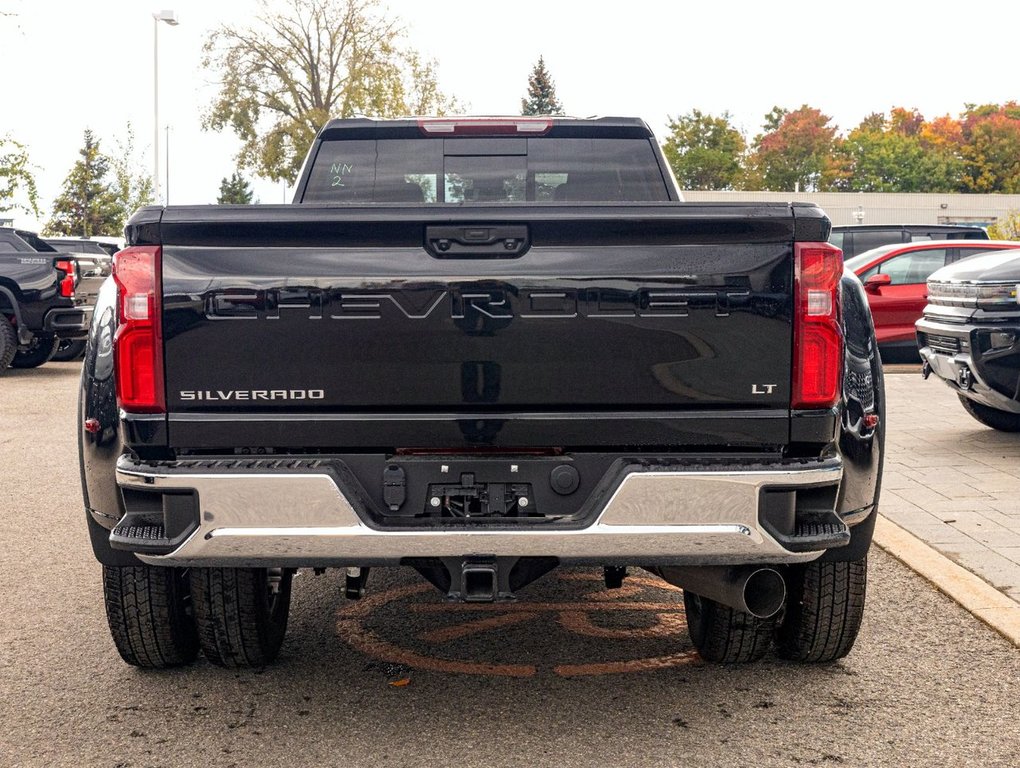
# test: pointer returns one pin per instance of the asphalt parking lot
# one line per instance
(570, 676)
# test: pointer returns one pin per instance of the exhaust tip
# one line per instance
(764, 592)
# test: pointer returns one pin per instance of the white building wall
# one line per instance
(883, 207)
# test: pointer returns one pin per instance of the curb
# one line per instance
(902, 368)
(973, 593)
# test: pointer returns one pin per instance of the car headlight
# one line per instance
(997, 294)
(974, 294)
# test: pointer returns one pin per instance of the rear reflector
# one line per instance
(138, 342)
(485, 126)
(817, 334)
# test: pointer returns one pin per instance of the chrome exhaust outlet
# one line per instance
(759, 591)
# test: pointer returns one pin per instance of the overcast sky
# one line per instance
(69, 65)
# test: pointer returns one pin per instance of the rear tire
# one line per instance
(991, 417)
(147, 608)
(241, 620)
(38, 351)
(724, 635)
(824, 610)
(69, 349)
(8, 343)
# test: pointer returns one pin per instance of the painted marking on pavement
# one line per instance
(593, 621)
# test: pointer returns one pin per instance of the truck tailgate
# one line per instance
(325, 326)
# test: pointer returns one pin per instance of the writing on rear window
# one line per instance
(337, 171)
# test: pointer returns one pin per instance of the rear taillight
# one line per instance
(138, 342)
(817, 335)
(68, 281)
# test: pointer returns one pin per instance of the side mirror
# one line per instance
(873, 283)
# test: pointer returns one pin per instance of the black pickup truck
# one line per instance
(38, 305)
(95, 262)
(481, 348)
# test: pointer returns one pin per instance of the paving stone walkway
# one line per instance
(951, 481)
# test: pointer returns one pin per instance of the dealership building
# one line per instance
(883, 207)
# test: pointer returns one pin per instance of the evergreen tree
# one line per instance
(541, 98)
(235, 190)
(89, 204)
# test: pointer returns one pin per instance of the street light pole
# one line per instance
(170, 18)
(166, 147)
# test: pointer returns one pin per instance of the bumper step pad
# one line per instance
(822, 530)
(135, 533)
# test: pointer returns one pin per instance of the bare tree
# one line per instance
(282, 77)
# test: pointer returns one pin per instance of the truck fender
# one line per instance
(24, 335)
(99, 427)
(862, 447)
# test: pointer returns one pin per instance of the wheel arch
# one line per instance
(10, 303)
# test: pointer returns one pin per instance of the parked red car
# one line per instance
(895, 279)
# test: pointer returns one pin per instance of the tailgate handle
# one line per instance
(478, 241)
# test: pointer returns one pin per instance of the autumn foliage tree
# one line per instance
(794, 152)
(705, 151)
(901, 153)
(285, 74)
(991, 148)
(17, 182)
(1006, 228)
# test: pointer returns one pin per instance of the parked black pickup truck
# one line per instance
(95, 262)
(481, 348)
(38, 307)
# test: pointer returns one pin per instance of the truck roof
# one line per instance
(489, 125)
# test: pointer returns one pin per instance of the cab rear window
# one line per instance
(485, 170)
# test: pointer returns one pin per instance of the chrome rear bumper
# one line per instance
(304, 519)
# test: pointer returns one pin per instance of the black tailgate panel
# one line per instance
(580, 323)
(471, 339)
